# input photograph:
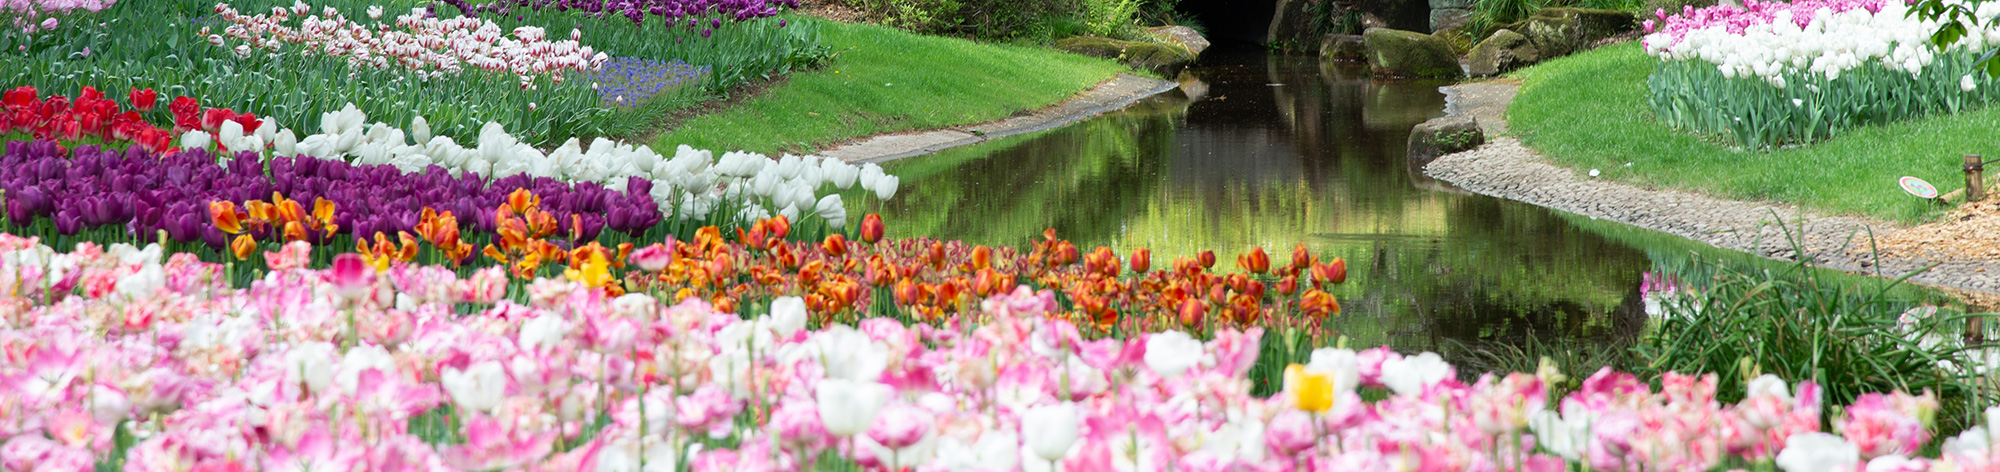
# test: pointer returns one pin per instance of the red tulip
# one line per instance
(143, 99)
(872, 228)
(1142, 260)
(19, 97)
(1301, 260)
(1207, 259)
(1256, 261)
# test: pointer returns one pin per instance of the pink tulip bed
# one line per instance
(126, 358)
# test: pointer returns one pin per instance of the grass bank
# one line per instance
(884, 80)
(1589, 111)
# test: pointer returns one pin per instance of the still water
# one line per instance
(1281, 150)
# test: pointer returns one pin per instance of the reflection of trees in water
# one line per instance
(1082, 180)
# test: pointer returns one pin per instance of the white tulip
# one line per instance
(287, 144)
(832, 210)
(480, 387)
(195, 139)
(885, 187)
(1170, 353)
(359, 359)
(1818, 452)
(1341, 364)
(310, 365)
(1411, 375)
(420, 129)
(1051, 430)
(543, 333)
(788, 316)
(848, 407)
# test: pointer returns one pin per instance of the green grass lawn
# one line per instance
(1589, 111)
(883, 80)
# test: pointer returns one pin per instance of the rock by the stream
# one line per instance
(1505, 50)
(1559, 31)
(1396, 53)
(1343, 47)
(1443, 135)
(1166, 60)
(1448, 14)
(1185, 37)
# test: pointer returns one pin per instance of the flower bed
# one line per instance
(1775, 74)
(124, 357)
(308, 65)
(417, 41)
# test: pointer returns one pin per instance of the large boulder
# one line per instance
(1444, 135)
(1164, 59)
(1397, 53)
(1505, 50)
(1560, 31)
(1185, 37)
(1343, 47)
(1291, 27)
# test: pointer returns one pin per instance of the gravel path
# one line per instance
(1504, 168)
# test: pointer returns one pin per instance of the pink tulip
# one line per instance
(350, 276)
(652, 258)
(901, 425)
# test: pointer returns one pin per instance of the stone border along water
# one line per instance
(1111, 95)
(1504, 168)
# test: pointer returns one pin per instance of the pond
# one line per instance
(1281, 150)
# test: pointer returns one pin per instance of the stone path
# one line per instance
(1114, 94)
(1506, 169)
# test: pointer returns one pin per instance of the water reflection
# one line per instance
(1279, 151)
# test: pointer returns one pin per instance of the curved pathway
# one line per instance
(1111, 95)
(1504, 168)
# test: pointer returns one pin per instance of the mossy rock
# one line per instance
(1505, 50)
(1163, 59)
(1560, 31)
(1343, 47)
(1396, 53)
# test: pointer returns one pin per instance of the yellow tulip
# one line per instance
(596, 271)
(1311, 391)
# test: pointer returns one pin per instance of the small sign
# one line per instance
(1918, 187)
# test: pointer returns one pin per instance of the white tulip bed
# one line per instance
(1775, 74)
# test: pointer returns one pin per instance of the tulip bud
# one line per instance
(1207, 259)
(1142, 260)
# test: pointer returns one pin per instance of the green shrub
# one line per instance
(1799, 326)
(991, 19)
(1110, 18)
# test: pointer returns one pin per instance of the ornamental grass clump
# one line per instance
(1774, 74)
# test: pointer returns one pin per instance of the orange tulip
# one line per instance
(1301, 259)
(521, 200)
(835, 245)
(1288, 285)
(294, 231)
(243, 247)
(1207, 259)
(780, 226)
(1316, 302)
(982, 257)
(1256, 261)
(225, 216)
(1142, 260)
(872, 228)
(1191, 311)
(1330, 273)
